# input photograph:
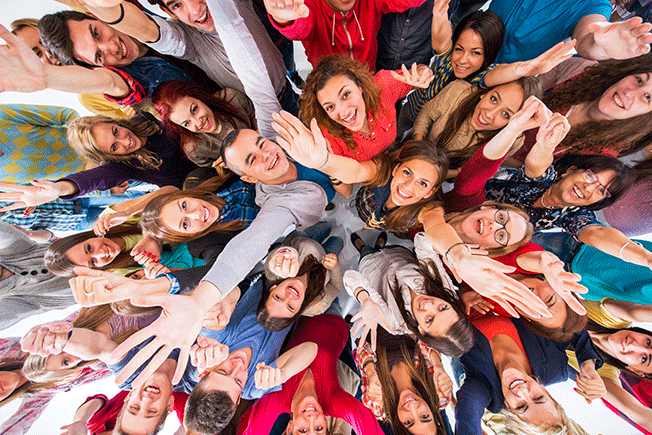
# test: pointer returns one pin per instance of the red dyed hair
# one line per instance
(166, 96)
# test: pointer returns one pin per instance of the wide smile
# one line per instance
(204, 18)
(274, 163)
(578, 192)
(479, 226)
(152, 390)
(294, 291)
(206, 214)
(461, 69)
(618, 101)
(309, 409)
(516, 383)
(124, 50)
(481, 121)
(402, 195)
(351, 119)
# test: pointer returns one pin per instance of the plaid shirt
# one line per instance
(240, 198)
(364, 354)
(58, 215)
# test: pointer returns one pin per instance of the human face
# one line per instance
(147, 404)
(231, 374)
(528, 398)
(9, 381)
(435, 316)
(630, 96)
(99, 44)
(30, 36)
(468, 54)
(632, 348)
(496, 107)
(189, 215)
(343, 102)
(341, 5)
(61, 361)
(580, 187)
(257, 159)
(481, 227)
(285, 299)
(94, 253)
(413, 181)
(555, 304)
(415, 414)
(308, 418)
(193, 115)
(194, 13)
(115, 140)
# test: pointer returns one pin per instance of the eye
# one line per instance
(425, 416)
(493, 99)
(185, 124)
(276, 297)
(113, 148)
(221, 372)
(429, 320)
(407, 423)
(521, 407)
(501, 217)
(457, 48)
(406, 172)
(329, 108)
(319, 428)
(239, 382)
(477, 53)
(290, 309)
(346, 94)
(66, 362)
(639, 80)
(303, 430)
(193, 109)
(648, 342)
(184, 224)
(538, 398)
(443, 307)
(423, 184)
(644, 359)
(505, 115)
(93, 262)
(184, 206)
(175, 6)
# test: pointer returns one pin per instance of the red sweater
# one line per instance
(382, 124)
(330, 333)
(325, 31)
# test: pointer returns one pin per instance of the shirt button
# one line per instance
(24, 273)
(44, 271)
(34, 272)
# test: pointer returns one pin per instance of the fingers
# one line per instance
(181, 365)
(506, 306)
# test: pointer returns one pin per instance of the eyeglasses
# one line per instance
(501, 236)
(591, 178)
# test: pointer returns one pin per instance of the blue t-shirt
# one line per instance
(243, 331)
(318, 177)
(534, 26)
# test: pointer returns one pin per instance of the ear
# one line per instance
(395, 169)
(421, 331)
(248, 179)
(171, 404)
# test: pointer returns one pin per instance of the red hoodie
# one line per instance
(326, 31)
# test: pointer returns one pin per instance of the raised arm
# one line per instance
(289, 364)
(38, 193)
(309, 147)
(627, 404)
(600, 40)
(614, 242)
(285, 12)
(548, 137)
(84, 413)
(128, 17)
(628, 311)
(441, 32)
(507, 72)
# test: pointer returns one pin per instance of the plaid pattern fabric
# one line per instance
(136, 92)
(33, 140)
(443, 70)
(240, 200)
(57, 215)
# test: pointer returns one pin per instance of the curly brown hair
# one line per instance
(623, 135)
(327, 68)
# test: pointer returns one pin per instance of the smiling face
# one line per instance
(94, 253)
(434, 315)
(481, 227)
(632, 348)
(497, 106)
(308, 418)
(343, 102)
(415, 414)
(61, 361)
(99, 44)
(468, 54)
(257, 159)
(555, 304)
(194, 13)
(193, 115)
(31, 37)
(577, 189)
(413, 181)
(230, 375)
(285, 299)
(146, 405)
(528, 398)
(115, 140)
(630, 96)
(189, 215)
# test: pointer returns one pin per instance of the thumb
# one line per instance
(303, 11)
(86, 271)
(149, 301)
(260, 365)
(314, 128)
(60, 327)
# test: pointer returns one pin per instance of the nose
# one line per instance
(194, 8)
(464, 58)
(109, 46)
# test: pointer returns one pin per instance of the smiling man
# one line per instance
(225, 38)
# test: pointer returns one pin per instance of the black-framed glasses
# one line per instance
(501, 235)
(591, 178)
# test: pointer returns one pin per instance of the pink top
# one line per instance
(382, 124)
(330, 333)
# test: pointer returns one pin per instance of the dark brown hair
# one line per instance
(608, 359)
(55, 36)
(327, 68)
(621, 134)
(489, 26)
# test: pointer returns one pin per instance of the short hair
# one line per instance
(226, 143)
(489, 26)
(55, 36)
(598, 163)
(117, 430)
(208, 411)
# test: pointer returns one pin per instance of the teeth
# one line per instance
(151, 389)
(273, 162)
(350, 118)
(481, 226)
(618, 101)
(515, 383)
(578, 192)
(124, 49)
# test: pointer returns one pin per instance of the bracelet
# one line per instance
(122, 16)
(69, 334)
(358, 294)
(448, 251)
(324, 164)
(620, 253)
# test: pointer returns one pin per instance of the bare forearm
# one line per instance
(89, 345)
(136, 205)
(347, 170)
(502, 73)
(296, 359)
(501, 143)
(613, 242)
(135, 22)
(67, 188)
(441, 34)
(530, 261)
(79, 80)
(88, 409)
(628, 404)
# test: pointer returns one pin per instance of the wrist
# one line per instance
(456, 252)
(362, 295)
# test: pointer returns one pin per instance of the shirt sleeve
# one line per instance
(348, 408)
(172, 39)
(472, 399)
(100, 178)
(51, 116)
(575, 221)
(362, 355)
(299, 203)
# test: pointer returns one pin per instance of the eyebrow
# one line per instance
(170, 3)
(180, 221)
(97, 53)
(250, 155)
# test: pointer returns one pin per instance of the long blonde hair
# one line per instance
(80, 137)
(513, 425)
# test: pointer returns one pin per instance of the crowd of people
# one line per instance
(500, 152)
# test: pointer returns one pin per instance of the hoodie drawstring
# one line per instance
(333, 32)
(356, 21)
(359, 26)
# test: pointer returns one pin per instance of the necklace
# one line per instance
(543, 202)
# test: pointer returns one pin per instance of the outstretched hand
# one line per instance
(533, 114)
(589, 383)
(547, 60)
(417, 76)
(623, 39)
(38, 193)
(306, 146)
(97, 287)
(20, 68)
(207, 353)
(284, 11)
(562, 282)
(107, 221)
(370, 316)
